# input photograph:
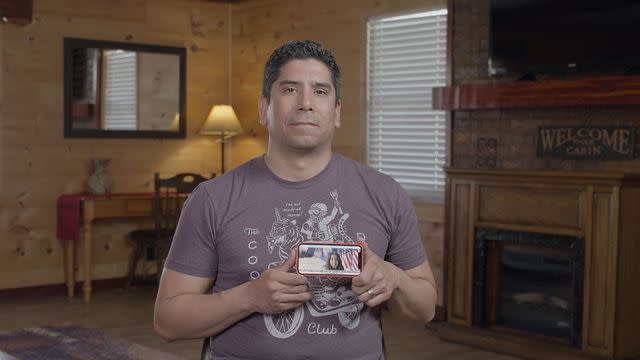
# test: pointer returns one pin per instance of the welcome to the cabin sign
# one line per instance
(607, 143)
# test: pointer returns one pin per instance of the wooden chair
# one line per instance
(169, 196)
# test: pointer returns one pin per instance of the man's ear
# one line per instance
(338, 121)
(263, 109)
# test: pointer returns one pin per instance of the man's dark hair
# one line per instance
(298, 50)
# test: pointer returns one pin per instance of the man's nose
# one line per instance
(305, 101)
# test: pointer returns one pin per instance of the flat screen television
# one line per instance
(562, 37)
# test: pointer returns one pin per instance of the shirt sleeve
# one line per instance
(405, 249)
(193, 249)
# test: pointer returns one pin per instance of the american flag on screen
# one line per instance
(349, 259)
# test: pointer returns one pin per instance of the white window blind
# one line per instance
(120, 90)
(406, 139)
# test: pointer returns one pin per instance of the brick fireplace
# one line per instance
(497, 184)
(543, 264)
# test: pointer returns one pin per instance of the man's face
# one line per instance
(302, 114)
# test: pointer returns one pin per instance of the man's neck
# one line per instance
(297, 166)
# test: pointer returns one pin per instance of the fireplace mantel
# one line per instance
(594, 91)
(602, 208)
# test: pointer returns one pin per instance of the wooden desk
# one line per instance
(96, 208)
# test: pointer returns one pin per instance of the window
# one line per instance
(120, 90)
(407, 57)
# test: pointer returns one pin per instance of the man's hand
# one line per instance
(377, 281)
(278, 290)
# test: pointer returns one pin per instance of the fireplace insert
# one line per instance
(530, 282)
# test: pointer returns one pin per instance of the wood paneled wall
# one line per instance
(39, 164)
(260, 26)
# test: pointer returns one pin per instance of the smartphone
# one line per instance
(329, 259)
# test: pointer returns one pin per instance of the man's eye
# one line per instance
(321, 92)
(289, 90)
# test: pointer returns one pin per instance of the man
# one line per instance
(229, 274)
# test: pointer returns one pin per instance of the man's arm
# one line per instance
(184, 309)
(416, 294)
(413, 291)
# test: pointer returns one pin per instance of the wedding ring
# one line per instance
(371, 293)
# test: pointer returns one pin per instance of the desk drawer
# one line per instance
(139, 206)
(114, 208)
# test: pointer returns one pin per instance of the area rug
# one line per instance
(72, 342)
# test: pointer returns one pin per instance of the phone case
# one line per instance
(318, 264)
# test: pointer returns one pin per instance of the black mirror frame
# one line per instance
(70, 132)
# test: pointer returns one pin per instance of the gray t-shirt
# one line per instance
(237, 225)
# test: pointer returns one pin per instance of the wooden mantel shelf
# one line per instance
(596, 91)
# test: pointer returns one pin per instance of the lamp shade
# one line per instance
(222, 120)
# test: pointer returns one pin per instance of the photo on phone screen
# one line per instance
(340, 260)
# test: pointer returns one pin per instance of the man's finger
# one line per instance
(296, 289)
(295, 298)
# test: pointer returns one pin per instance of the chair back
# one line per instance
(170, 194)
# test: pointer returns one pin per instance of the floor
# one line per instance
(128, 314)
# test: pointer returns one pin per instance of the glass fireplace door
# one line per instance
(529, 282)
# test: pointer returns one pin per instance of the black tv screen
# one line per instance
(551, 37)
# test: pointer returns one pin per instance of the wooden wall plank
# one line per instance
(39, 164)
(130, 10)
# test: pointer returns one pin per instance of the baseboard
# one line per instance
(60, 289)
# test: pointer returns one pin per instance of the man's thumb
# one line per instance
(368, 253)
(288, 264)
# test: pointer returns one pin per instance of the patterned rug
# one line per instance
(72, 342)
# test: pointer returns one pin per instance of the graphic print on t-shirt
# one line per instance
(283, 236)
(331, 296)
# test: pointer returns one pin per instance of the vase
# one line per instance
(99, 181)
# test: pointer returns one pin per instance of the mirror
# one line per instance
(123, 90)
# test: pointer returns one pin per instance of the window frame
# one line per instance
(427, 195)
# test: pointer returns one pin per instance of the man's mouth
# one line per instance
(304, 120)
(303, 124)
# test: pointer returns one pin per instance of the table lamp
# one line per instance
(222, 121)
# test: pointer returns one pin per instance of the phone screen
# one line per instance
(335, 260)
